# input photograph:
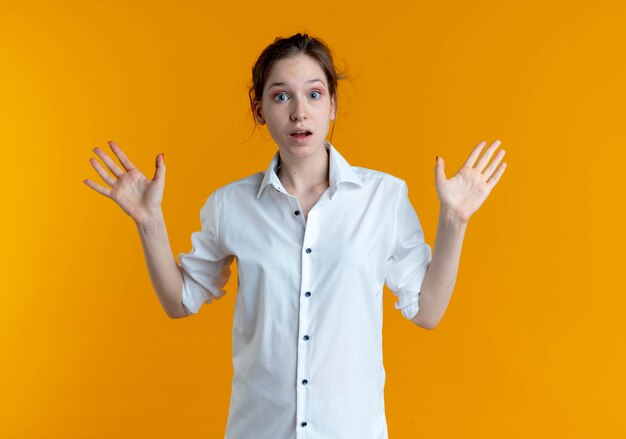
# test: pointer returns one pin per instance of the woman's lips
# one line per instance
(301, 137)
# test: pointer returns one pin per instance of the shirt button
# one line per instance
(307, 294)
(303, 424)
(306, 337)
(297, 212)
(308, 250)
(305, 382)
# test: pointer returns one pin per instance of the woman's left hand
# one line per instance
(464, 193)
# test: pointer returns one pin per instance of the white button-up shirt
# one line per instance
(307, 329)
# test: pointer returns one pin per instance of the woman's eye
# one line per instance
(317, 93)
(279, 94)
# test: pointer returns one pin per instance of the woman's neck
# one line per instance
(302, 174)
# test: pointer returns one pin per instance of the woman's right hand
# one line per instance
(139, 197)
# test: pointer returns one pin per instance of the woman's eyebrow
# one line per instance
(280, 84)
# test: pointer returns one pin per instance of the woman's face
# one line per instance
(296, 97)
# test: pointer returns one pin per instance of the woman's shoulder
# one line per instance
(244, 184)
(375, 176)
(242, 187)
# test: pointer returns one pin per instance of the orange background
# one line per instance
(532, 343)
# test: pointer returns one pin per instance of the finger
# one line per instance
(495, 177)
(440, 173)
(116, 170)
(101, 189)
(128, 165)
(159, 173)
(494, 163)
(101, 172)
(474, 155)
(487, 155)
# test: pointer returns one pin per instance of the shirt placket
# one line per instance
(305, 335)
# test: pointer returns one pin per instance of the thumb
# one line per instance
(439, 169)
(159, 173)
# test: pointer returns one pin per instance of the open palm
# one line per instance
(464, 193)
(137, 195)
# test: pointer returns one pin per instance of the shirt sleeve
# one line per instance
(206, 268)
(406, 268)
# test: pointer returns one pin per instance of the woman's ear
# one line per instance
(333, 106)
(258, 113)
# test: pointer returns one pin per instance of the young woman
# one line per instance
(315, 239)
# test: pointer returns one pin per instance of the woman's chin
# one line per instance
(300, 147)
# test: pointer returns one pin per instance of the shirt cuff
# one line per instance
(408, 303)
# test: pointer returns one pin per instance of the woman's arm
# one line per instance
(165, 274)
(459, 197)
(141, 198)
(441, 275)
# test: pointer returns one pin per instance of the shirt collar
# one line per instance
(340, 171)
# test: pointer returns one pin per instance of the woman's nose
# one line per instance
(299, 112)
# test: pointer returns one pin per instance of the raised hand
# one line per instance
(464, 193)
(138, 196)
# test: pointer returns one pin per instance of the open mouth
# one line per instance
(304, 134)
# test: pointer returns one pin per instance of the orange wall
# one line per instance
(532, 344)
